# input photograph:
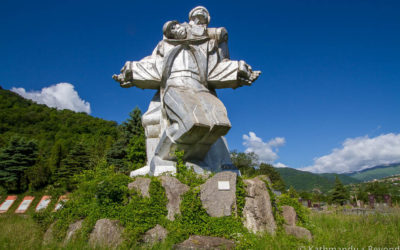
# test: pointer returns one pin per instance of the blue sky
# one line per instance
(330, 69)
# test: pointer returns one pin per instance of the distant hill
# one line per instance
(377, 172)
(307, 181)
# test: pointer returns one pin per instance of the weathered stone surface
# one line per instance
(106, 233)
(205, 242)
(185, 113)
(72, 229)
(219, 203)
(154, 235)
(298, 232)
(48, 236)
(142, 185)
(173, 189)
(289, 214)
(258, 210)
(265, 178)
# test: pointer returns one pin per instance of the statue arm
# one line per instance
(232, 74)
(143, 74)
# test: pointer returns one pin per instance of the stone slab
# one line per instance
(61, 201)
(257, 211)
(43, 203)
(217, 202)
(24, 205)
(174, 189)
(7, 203)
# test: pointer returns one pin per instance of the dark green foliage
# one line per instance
(240, 195)
(249, 167)
(75, 162)
(245, 162)
(292, 193)
(339, 195)
(129, 151)
(185, 174)
(195, 220)
(274, 176)
(55, 131)
(15, 159)
(103, 193)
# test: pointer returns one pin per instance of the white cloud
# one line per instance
(266, 151)
(358, 154)
(60, 96)
(280, 165)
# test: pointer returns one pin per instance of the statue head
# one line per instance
(199, 15)
(174, 30)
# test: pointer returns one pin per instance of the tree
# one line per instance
(274, 176)
(129, 151)
(339, 194)
(245, 162)
(136, 148)
(76, 161)
(292, 193)
(15, 160)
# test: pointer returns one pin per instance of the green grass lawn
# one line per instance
(330, 230)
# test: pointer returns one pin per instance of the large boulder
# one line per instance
(205, 242)
(48, 236)
(289, 214)
(257, 211)
(218, 194)
(72, 229)
(106, 233)
(142, 185)
(155, 235)
(173, 189)
(298, 232)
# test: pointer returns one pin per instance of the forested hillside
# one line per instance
(306, 181)
(376, 172)
(41, 145)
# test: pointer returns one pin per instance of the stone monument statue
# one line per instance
(186, 68)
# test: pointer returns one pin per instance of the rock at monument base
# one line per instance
(265, 178)
(48, 236)
(257, 211)
(205, 242)
(289, 214)
(173, 189)
(72, 229)
(298, 232)
(155, 235)
(142, 185)
(106, 233)
(219, 202)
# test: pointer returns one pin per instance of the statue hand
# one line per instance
(246, 75)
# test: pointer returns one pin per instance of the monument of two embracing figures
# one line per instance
(186, 68)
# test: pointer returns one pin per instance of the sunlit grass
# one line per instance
(330, 230)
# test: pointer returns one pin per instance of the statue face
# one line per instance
(178, 31)
(200, 17)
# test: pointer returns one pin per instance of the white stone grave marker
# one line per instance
(43, 203)
(24, 205)
(7, 203)
(61, 202)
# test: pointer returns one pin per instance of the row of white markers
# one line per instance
(27, 201)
